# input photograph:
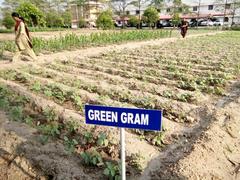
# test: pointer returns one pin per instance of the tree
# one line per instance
(176, 19)
(178, 8)
(139, 4)
(198, 14)
(119, 6)
(53, 19)
(11, 5)
(133, 21)
(151, 16)
(104, 20)
(32, 15)
(8, 21)
(59, 4)
(159, 4)
(67, 18)
(82, 23)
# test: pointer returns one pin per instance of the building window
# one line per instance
(168, 10)
(226, 19)
(210, 7)
(137, 12)
(127, 12)
(195, 8)
(228, 6)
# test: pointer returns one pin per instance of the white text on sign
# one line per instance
(125, 118)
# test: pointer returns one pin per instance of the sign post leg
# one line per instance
(123, 166)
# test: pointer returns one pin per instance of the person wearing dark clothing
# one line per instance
(184, 27)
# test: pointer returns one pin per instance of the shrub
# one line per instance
(133, 21)
(176, 19)
(104, 20)
(32, 15)
(235, 27)
(54, 20)
(151, 16)
(82, 23)
(67, 18)
(8, 21)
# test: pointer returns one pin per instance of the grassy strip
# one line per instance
(36, 29)
(72, 41)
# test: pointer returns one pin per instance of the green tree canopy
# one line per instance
(176, 19)
(67, 17)
(32, 15)
(151, 16)
(105, 21)
(133, 21)
(53, 19)
(8, 21)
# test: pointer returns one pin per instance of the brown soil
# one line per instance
(22, 156)
(209, 151)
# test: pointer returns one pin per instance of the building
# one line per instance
(208, 9)
(88, 12)
(198, 9)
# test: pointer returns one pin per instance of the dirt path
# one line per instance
(94, 51)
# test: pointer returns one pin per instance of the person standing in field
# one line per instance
(22, 39)
(184, 27)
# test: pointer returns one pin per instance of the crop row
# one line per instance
(73, 41)
(89, 80)
(69, 95)
(209, 84)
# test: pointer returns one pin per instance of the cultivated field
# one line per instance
(185, 78)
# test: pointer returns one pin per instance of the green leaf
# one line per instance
(65, 138)
(94, 160)
(113, 172)
(106, 172)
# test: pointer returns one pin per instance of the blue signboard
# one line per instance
(124, 117)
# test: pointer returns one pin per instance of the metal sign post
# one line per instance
(122, 141)
(124, 118)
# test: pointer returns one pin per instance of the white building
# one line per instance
(198, 9)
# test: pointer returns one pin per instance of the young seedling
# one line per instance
(102, 140)
(158, 139)
(70, 144)
(112, 171)
(136, 161)
(50, 114)
(16, 113)
(92, 158)
(36, 86)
